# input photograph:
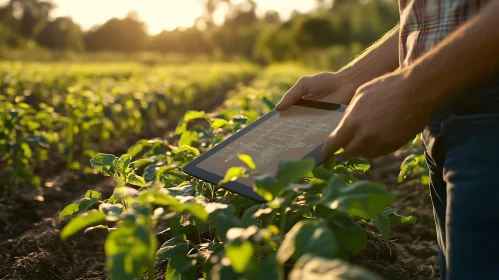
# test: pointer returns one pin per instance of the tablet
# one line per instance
(296, 133)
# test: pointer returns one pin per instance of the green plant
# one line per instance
(23, 145)
(312, 214)
(82, 107)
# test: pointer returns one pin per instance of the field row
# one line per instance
(62, 114)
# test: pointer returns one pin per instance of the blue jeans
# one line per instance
(462, 152)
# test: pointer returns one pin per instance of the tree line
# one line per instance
(266, 38)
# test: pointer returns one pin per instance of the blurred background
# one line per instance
(322, 34)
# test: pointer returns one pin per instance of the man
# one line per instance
(438, 71)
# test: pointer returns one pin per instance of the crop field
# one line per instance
(91, 183)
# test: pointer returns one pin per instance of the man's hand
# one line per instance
(384, 114)
(327, 87)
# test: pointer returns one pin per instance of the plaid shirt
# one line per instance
(424, 23)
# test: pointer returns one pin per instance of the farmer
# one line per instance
(436, 72)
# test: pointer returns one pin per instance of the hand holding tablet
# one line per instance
(296, 133)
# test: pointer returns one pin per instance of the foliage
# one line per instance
(415, 163)
(244, 33)
(311, 216)
(71, 110)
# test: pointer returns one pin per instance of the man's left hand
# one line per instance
(384, 114)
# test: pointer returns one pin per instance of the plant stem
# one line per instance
(150, 270)
(282, 222)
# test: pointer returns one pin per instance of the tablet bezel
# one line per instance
(237, 187)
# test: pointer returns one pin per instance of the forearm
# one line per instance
(459, 61)
(377, 60)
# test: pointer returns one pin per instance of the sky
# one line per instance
(158, 14)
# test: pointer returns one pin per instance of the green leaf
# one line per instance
(188, 149)
(219, 123)
(137, 148)
(190, 115)
(136, 180)
(112, 211)
(359, 165)
(322, 173)
(123, 163)
(129, 250)
(176, 246)
(77, 207)
(351, 236)
(267, 186)
(310, 267)
(93, 195)
(188, 137)
(240, 255)
(362, 198)
(233, 174)
(82, 221)
(308, 236)
(290, 171)
(96, 227)
(383, 225)
(139, 163)
(104, 163)
(247, 160)
(264, 268)
(181, 267)
(150, 172)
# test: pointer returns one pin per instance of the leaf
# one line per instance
(104, 163)
(82, 221)
(322, 173)
(112, 211)
(176, 246)
(267, 186)
(360, 165)
(150, 172)
(290, 171)
(351, 236)
(188, 137)
(383, 225)
(233, 174)
(188, 149)
(265, 268)
(93, 195)
(136, 180)
(139, 163)
(308, 236)
(388, 218)
(219, 123)
(189, 115)
(181, 267)
(77, 207)
(310, 267)
(129, 250)
(123, 163)
(96, 227)
(137, 148)
(247, 160)
(240, 255)
(124, 192)
(362, 198)
(185, 190)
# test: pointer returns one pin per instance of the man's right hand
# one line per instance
(327, 87)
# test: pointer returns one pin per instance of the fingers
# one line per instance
(294, 94)
(338, 139)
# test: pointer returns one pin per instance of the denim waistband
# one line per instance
(483, 98)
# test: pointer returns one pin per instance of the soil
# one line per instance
(30, 247)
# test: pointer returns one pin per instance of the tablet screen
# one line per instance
(289, 134)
